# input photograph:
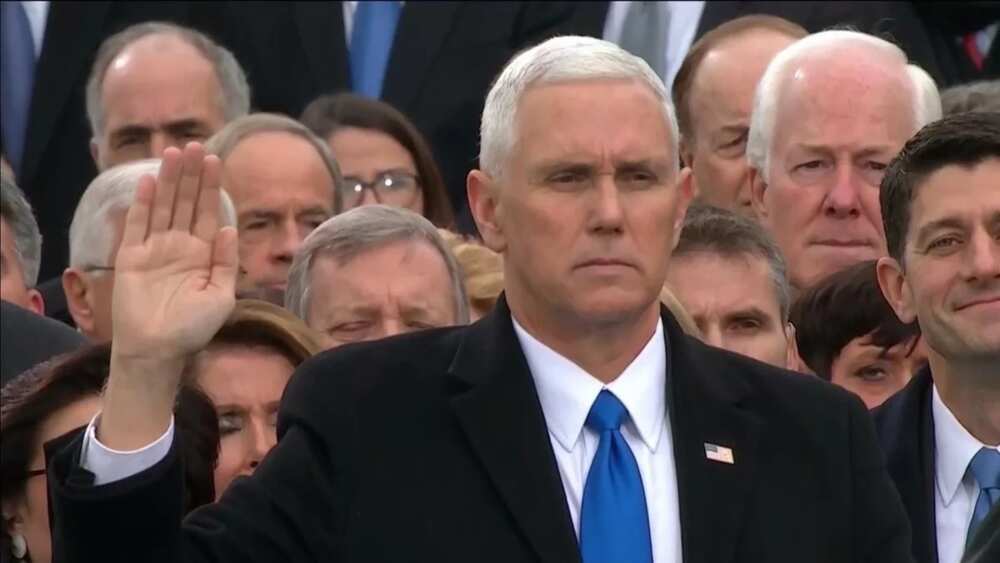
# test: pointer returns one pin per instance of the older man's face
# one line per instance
(282, 190)
(839, 123)
(400, 287)
(589, 205)
(159, 92)
(721, 100)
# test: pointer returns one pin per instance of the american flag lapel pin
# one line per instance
(719, 453)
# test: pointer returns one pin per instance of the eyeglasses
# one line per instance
(397, 188)
(93, 268)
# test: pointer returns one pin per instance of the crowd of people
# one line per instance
(702, 291)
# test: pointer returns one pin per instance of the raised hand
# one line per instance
(175, 280)
(176, 270)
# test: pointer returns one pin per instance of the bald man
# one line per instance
(157, 85)
(713, 94)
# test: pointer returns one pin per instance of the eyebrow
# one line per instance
(866, 151)
(171, 126)
(314, 211)
(751, 311)
(939, 224)
(259, 214)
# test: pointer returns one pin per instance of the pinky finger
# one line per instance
(137, 219)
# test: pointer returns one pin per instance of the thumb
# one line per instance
(225, 259)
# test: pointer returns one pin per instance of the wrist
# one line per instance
(138, 401)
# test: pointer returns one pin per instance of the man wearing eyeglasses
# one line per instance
(94, 237)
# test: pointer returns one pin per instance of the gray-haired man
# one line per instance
(21, 246)
(373, 272)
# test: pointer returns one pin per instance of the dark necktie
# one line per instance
(17, 75)
(614, 523)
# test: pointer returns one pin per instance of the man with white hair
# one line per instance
(829, 114)
(21, 246)
(373, 272)
(576, 422)
(94, 237)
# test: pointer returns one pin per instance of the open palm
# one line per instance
(175, 274)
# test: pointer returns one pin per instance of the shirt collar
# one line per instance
(566, 391)
(955, 448)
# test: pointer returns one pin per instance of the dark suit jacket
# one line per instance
(57, 164)
(897, 21)
(444, 57)
(905, 426)
(27, 339)
(947, 23)
(433, 447)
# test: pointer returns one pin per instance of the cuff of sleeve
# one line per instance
(110, 465)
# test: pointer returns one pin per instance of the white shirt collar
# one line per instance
(954, 449)
(567, 392)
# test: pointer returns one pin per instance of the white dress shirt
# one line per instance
(684, 19)
(567, 392)
(957, 490)
(38, 13)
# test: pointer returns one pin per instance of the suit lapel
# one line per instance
(321, 26)
(713, 494)
(500, 413)
(59, 68)
(421, 33)
(910, 461)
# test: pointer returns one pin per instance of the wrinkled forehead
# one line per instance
(592, 116)
(817, 92)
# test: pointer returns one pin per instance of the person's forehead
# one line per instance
(963, 193)
(727, 77)
(592, 116)
(820, 105)
(276, 166)
(138, 84)
(262, 373)
(728, 281)
(403, 268)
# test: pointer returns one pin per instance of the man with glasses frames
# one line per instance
(94, 237)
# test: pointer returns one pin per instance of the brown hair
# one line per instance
(328, 114)
(29, 399)
(256, 323)
(684, 81)
(482, 269)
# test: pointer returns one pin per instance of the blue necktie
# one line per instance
(985, 467)
(371, 41)
(17, 75)
(614, 524)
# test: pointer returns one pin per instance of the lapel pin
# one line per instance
(719, 453)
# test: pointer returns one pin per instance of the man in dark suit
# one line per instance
(53, 140)
(28, 339)
(441, 58)
(941, 434)
(574, 423)
(896, 21)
